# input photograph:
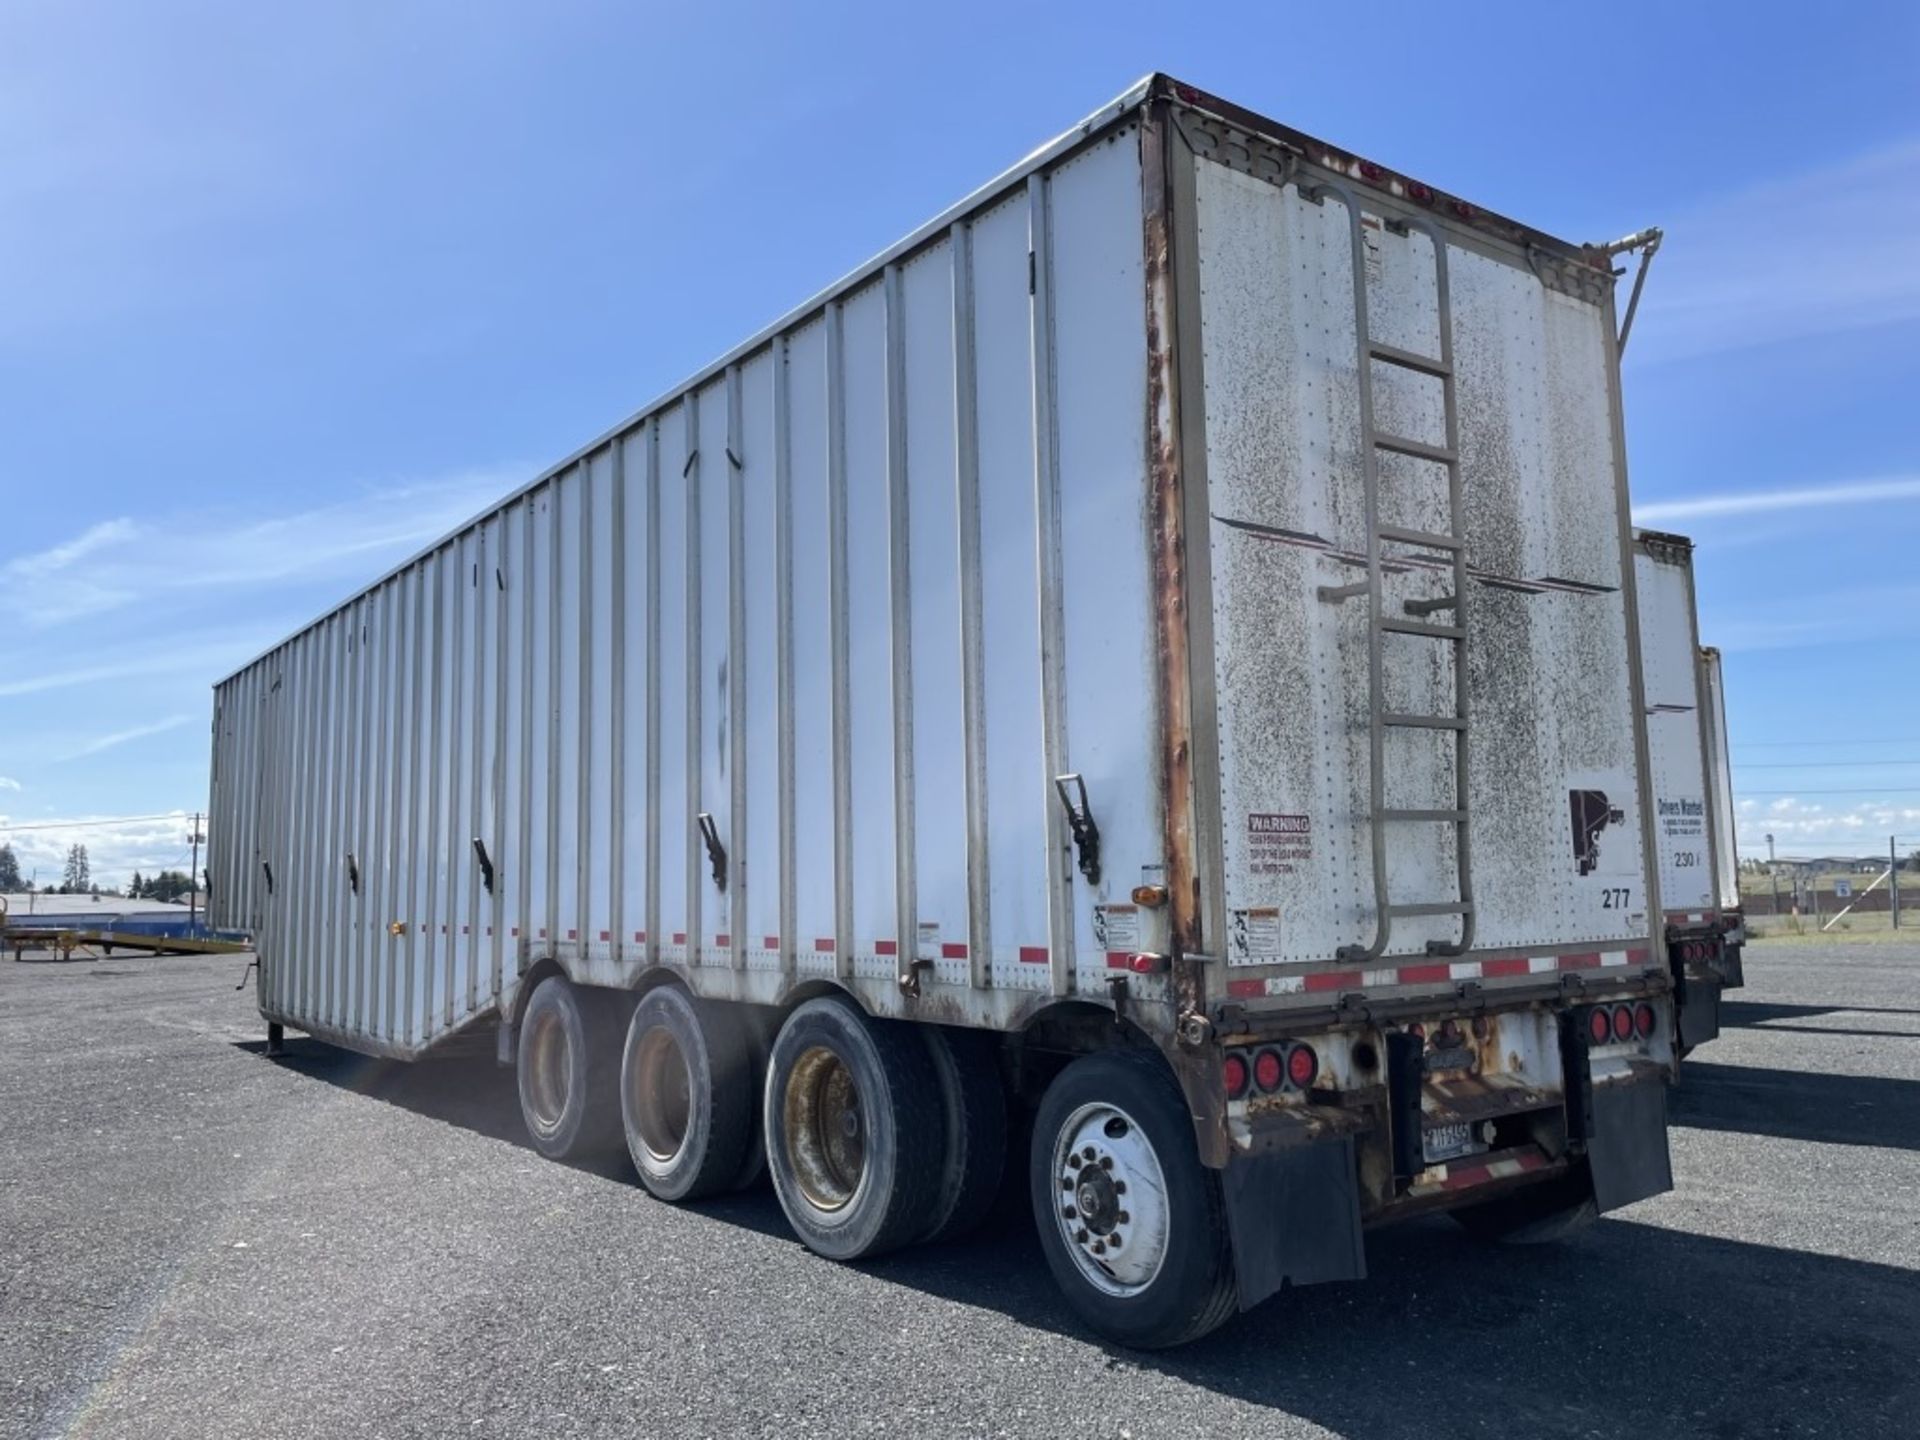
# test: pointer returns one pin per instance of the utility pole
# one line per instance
(1773, 874)
(196, 839)
(1893, 875)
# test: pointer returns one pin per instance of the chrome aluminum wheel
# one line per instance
(1112, 1204)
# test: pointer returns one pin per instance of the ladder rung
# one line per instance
(1418, 449)
(1453, 817)
(1437, 907)
(1425, 722)
(1410, 359)
(1333, 593)
(1430, 538)
(1421, 627)
(1427, 607)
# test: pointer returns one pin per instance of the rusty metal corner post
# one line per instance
(1200, 1080)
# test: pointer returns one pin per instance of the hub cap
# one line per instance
(826, 1129)
(659, 1093)
(1110, 1199)
(549, 1076)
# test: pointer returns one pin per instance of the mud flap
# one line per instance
(1627, 1148)
(1699, 1012)
(1294, 1215)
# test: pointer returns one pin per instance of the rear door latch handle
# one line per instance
(716, 852)
(1072, 791)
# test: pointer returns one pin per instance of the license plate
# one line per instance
(1448, 1142)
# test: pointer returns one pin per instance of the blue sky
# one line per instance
(292, 289)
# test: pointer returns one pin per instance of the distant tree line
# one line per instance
(169, 886)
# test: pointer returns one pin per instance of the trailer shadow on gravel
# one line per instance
(1798, 1105)
(1630, 1328)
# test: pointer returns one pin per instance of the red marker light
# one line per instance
(1267, 1070)
(1302, 1065)
(1622, 1022)
(1599, 1026)
(1235, 1072)
(1643, 1019)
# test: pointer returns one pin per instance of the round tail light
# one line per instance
(1622, 1022)
(1599, 1026)
(1643, 1019)
(1302, 1065)
(1268, 1072)
(1234, 1071)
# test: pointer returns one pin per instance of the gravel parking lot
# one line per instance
(197, 1241)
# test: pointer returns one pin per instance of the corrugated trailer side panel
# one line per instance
(830, 623)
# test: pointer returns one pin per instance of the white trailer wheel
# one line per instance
(686, 1094)
(1113, 1213)
(1113, 1139)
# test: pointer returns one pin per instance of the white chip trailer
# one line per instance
(1157, 644)
(1726, 853)
(1687, 841)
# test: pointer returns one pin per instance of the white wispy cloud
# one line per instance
(1801, 827)
(208, 654)
(115, 848)
(7, 782)
(1894, 490)
(1822, 252)
(121, 737)
(122, 562)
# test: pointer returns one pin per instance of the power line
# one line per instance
(1815, 764)
(1865, 790)
(181, 815)
(1788, 744)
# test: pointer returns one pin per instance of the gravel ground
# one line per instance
(197, 1241)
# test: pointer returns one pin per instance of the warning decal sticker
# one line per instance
(1276, 844)
(1254, 936)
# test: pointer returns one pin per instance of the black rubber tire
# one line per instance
(713, 1064)
(758, 1031)
(589, 1026)
(1541, 1214)
(1194, 1291)
(901, 1122)
(975, 1103)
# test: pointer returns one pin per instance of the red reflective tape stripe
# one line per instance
(1246, 989)
(769, 942)
(1334, 980)
(722, 941)
(1586, 960)
(679, 937)
(515, 931)
(885, 947)
(573, 934)
(1636, 957)
(824, 947)
(1033, 954)
(950, 951)
(1424, 974)
(1507, 965)
(1119, 959)
(604, 935)
(640, 936)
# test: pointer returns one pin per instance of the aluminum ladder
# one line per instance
(1414, 619)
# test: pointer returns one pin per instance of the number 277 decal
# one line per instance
(1617, 897)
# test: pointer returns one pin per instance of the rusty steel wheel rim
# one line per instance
(659, 1093)
(549, 1071)
(826, 1130)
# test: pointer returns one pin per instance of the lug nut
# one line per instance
(1065, 1183)
(1087, 1153)
(1080, 1235)
(1122, 1218)
(1074, 1162)
(1114, 1240)
(1106, 1162)
(1099, 1247)
(1119, 1187)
